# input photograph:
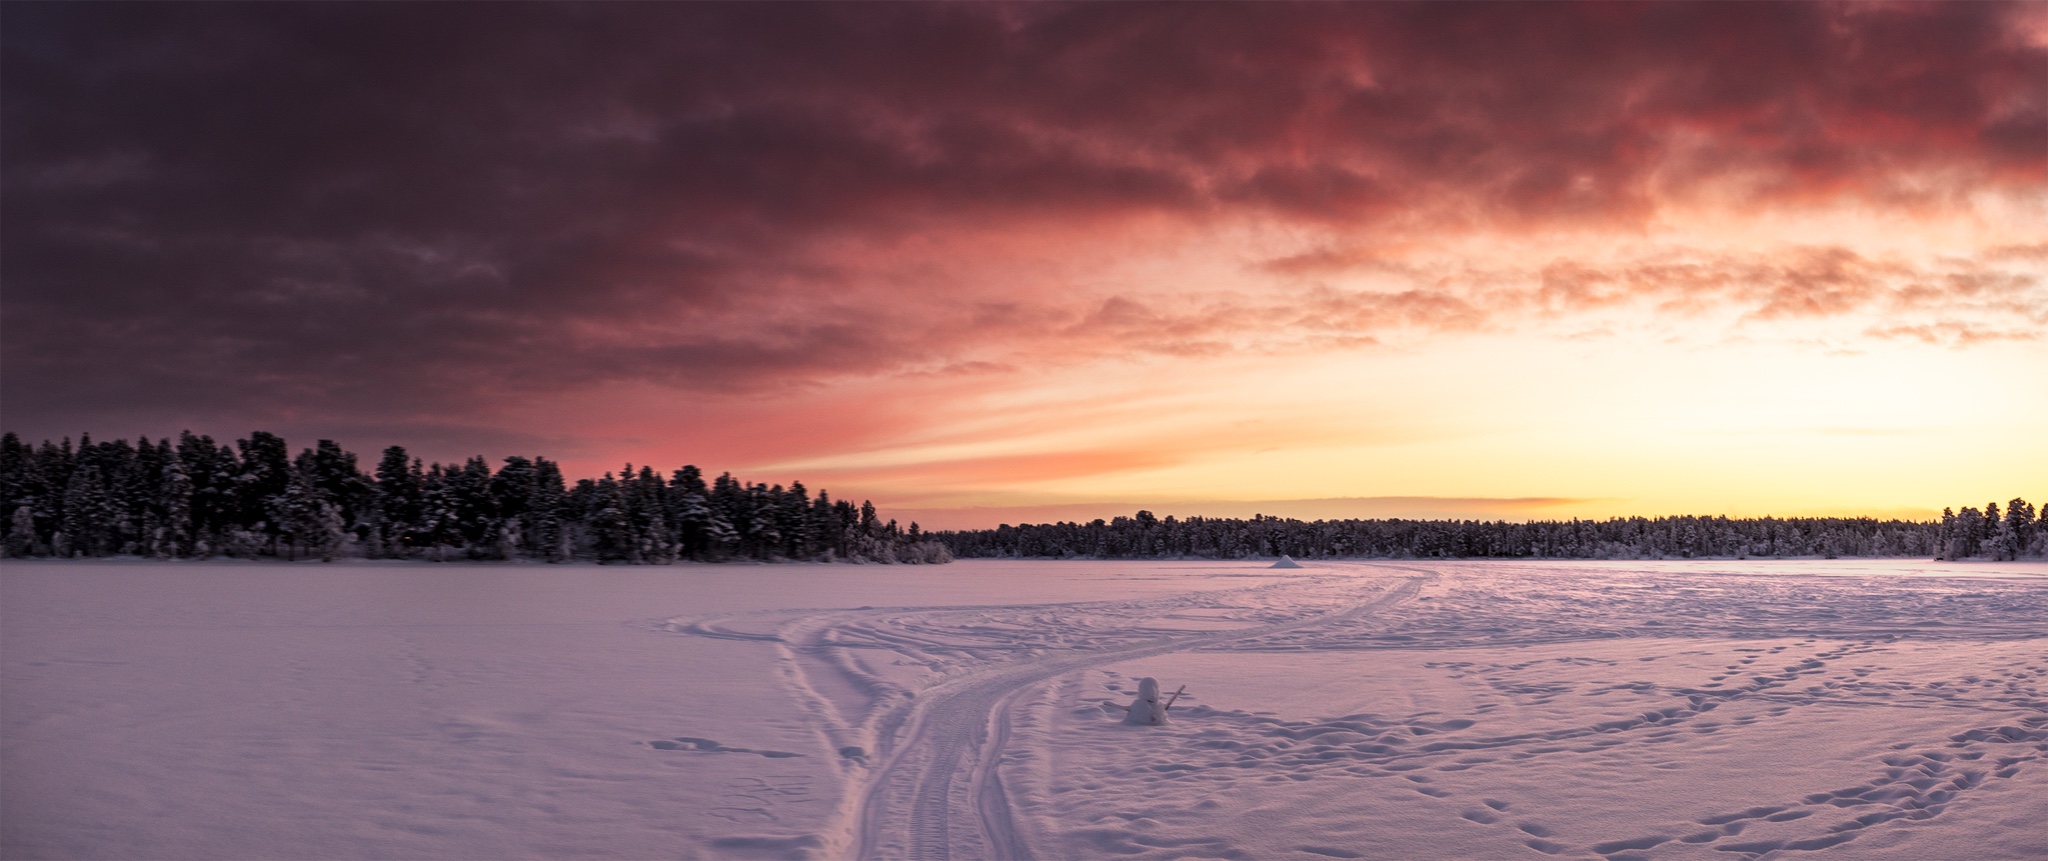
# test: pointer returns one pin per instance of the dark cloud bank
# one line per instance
(387, 217)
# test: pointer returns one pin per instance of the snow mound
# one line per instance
(1286, 562)
(1147, 710)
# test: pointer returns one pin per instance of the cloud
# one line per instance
(1003, 470)
(1952, 333)
(405, 216)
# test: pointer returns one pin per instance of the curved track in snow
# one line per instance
(938, 793)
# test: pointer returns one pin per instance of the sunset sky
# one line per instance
(988, 263)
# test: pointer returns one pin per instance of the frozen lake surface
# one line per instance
(1414, 710)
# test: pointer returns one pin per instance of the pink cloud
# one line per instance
(424, 219)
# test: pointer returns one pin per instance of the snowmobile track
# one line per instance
(945, 766)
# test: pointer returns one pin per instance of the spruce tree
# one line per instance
(21, 532)
(611, 525)
(547, 531)
(439, 526)
(650, 506)
(297, 516)
(476, 511)
(210, 469)
(2019, 519)
(88, 514)
(396, 502)
(176, 539)
(690, 512)
(338, 481)
(266, 472)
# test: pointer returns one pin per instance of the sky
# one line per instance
(998, 263)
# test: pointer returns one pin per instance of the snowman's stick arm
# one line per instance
(1176, 695)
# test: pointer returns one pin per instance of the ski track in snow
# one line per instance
(923, 737)
(937, 792)
(957, 741)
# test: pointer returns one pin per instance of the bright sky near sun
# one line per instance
(988, 263)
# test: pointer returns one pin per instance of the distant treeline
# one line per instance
(2017, 532)
(194, 498)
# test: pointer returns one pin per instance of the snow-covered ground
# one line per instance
(1412, 710)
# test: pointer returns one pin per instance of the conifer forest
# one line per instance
(2013, 533)
(196, 498)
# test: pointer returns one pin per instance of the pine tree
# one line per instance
(730, 516)
(794, 512)
(176, 539)
(333, 535)
(14, 466)
(396, 502)
(138, 492)
(88, 514)
(17, 494)
(648, 501)
(611, 525)
(721, 538)
(477, 512)
(2014, 536)
(512, 487)
(296, 515)
(764, 533)
(690, 512)
(21, 533)
(212, 470)
(266, 472)
(825, 529)
(337, 479)
(546, 531)
(2039, 546)
(440, 519)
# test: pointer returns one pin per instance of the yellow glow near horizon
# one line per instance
(1658, 399)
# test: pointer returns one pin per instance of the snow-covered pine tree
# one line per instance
(611, 525)
(295, 516)
(266, 472)
(336, 480)
(15, 457)
(547, 534)
(647, 502)
(88, 514)
(824, 528)
(21, 532)
(138, 488)
(2011, 536)
(722, 540)
(690, 512)
(211, 470)
(396, 501)
(177, 509)
(512, 494)
(729, 507)
(333, 535)
(477, 512)
(798, 535)
(439, 527)
(764, 533)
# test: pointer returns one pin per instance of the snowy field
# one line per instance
(1415, 710)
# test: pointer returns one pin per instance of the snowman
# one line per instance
(1148, 709)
